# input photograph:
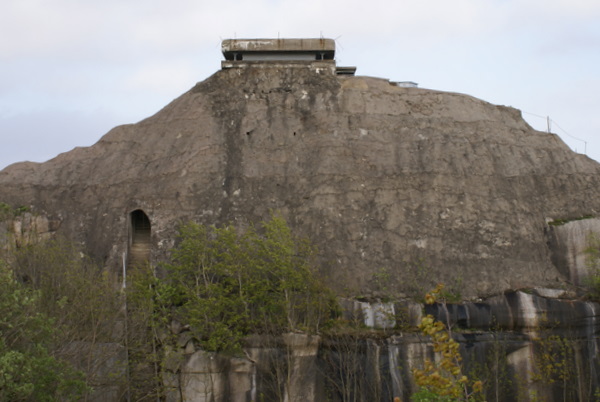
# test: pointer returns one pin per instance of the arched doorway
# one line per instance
(139, 246)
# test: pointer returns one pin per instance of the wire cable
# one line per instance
(550, 122)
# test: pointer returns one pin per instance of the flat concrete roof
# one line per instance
(229, 46)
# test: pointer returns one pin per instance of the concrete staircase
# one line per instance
(139, 252)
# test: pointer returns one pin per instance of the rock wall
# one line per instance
(429, 185)
(572, 244)
(399, 188)
(502, 340)
(19, 230)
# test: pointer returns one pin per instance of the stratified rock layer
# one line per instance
(398, 187)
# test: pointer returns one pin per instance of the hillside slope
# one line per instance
(410, 185)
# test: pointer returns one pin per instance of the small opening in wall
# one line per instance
(141, 229)
(140, 224)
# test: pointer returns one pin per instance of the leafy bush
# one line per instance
(425, 395)
(227, 284)
(82, 302)
(443, 380)
(28, 370)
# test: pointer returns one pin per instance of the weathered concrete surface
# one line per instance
(570, 244)
(430, 186)
(203, 377)
(24, 229)
(230, 47)
(502, 340)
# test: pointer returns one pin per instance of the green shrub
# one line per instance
(228, 284)
(443, 380)
(28, 370)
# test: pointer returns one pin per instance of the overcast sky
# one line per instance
(70, 70)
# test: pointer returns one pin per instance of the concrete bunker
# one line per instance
(139, 238)
(285, 50)
(316, 53)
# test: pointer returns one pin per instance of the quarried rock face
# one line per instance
(24, 229)
(575, 248)
(523, 346)
(423, 185)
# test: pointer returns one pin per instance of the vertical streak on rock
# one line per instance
(229, 108)
(395, 368)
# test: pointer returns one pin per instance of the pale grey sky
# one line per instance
(70, 70)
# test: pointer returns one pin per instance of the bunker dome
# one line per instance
(417, 184)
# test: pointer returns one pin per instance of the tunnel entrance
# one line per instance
(139, 245)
